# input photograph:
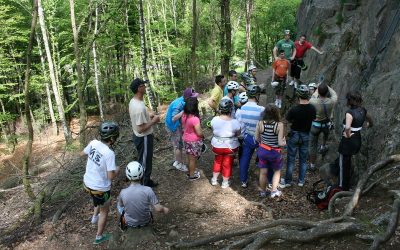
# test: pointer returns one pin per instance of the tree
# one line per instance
(249, 10)
(193, 69)
(226, 36)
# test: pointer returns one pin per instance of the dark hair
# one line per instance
(323, 90)
(305, 37)
(218, 78)
(354, 98)
(232, 72)
(281, 51)
(271, 113)
(192, 107)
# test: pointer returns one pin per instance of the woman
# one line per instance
(224, 142)
(350, 143)
(269, 134)
(192, 135)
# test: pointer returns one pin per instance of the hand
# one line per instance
(165, 210)
(151, 115)
(292, 58)
(321, 53)
(155, 119)
(345, 135)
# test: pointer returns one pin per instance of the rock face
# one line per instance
(361, 40)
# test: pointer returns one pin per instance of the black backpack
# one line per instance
(320, 196)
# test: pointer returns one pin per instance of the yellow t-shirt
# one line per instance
(216, 94)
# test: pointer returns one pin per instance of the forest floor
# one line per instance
(197, 209)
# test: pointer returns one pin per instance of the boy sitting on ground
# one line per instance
(135, 201)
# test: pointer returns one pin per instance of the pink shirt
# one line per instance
(188, 123)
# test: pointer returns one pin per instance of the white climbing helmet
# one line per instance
(243, 98)
(134, 171)
(274, 84)
(312, 85)
(251, 67)
(232, 85)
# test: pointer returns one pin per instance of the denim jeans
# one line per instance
(249, 145)
(297, 141)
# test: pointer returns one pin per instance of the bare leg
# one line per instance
(192, 164)
(96, 211)
(101, 224)
(263, 178)
(275, 180)
(178, 155)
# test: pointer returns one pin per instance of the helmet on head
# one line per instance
(251, 67)
(286, 32)
(303, 92)
(134, 171)
(274, 84)
(312, 85)
(225, 105)
(232, 85)
(243, 97)
(253, 91)
(108, 129)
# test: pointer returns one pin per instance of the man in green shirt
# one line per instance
(286, 45)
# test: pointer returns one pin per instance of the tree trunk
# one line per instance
(60, 107)
(193, 49)
(96, 70)
(28, 149)
(249, 9)
(226, 36)
(171, 71)
(46, 79)
(81, 97)
(143, 51)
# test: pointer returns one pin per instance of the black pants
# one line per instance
(144, 146)
(345, 172)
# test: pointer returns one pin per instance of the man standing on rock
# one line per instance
(297, 64)
(286, 45)
(142, 125)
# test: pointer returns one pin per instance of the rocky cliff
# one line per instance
(361, 40)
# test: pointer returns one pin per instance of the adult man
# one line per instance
(324, 100)
(286, 45)
(300, 118)
(297, 64)
(142, 125)
(233, 77)
(217, 93)
(100, 170)
(173, 125)
(280, 69)
(248, 116)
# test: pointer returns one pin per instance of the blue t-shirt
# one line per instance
(174, 108)
(235, 97)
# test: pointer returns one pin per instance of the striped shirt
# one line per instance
(269, 136)
(248, 116)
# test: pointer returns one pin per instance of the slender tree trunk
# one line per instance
(156, 70)
(249, 9)
(225, 36)
(81, 97)
(7, 133)
(193, 48)
(28, 149)
(149, 91)
(60, 107)
(46, 79)
(96, 70)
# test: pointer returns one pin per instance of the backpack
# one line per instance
(321, 196)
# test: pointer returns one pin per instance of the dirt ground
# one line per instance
(197, 208)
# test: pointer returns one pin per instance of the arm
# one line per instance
(177, 116)
(347, 128)
(369, 122)
(111, 174)
(275, 52)
(198, 130)
(281, 137)
(257, 135)
(212, 103)
(334, 96)
(161, 209)
(317, 50)
(294, 53)
(145, 126)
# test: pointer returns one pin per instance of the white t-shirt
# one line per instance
(224, 133)
(139, 115)
(101, 159)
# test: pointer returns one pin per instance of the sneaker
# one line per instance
(276, 103)
(225, 184)
(264, 194)
(102, 238)
(291, 83)
(269, 185)
(312, 167)
(276, 193)
(300, 184)
(95, 219)
(195, 176)
(175, 164)
(181, 167)
(244, 184)
(279, 105)
(214, 182)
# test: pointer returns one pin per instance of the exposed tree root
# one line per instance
(392, 225)
(302, 224)
(331, 206)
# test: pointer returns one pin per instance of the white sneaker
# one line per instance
(181, 167)
(276, 103)
(175, 164)
(276, 193)
(225, 184)
(95, 219)
(279, 105)
(214, 182)
(283, 184)
(269, 185)
(291, 83)
(300, 184)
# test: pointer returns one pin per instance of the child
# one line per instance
(192, 135)
(134, 202)
(269, 133)
(100, 170)
(280, 69)
(224, 142)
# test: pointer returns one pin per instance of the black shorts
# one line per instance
(99, 197)
(280, 89)
(295, 68)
